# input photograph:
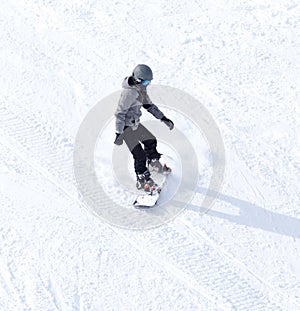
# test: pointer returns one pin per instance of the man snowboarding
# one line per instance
(128, 127)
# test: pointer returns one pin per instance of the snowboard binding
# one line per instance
(155, 165)
(145, 182)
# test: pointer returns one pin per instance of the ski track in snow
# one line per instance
(241, 292)
(60, 59)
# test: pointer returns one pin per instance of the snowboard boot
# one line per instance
(145, 182)
(156, 166)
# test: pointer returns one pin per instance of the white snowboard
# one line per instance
(145, 200)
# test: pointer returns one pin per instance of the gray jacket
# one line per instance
(133, 97)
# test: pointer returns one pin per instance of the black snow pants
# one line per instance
(133, 140)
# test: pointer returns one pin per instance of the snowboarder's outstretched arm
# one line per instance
(154, 110)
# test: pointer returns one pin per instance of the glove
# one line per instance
(119, 139)
(168, 123)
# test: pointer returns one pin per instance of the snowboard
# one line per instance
(148, 200)
(145, 200)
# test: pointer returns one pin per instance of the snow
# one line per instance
(241, 61)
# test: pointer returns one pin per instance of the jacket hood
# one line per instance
(129, 84)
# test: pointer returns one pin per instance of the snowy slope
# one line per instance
(240, 59)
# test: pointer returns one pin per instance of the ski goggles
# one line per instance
(145, 82)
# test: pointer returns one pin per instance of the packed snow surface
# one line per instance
(241, 60)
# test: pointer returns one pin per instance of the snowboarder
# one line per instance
(128, 127)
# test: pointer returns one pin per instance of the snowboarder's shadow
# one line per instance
(252, 215)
